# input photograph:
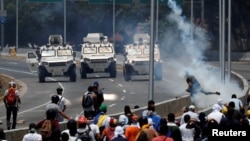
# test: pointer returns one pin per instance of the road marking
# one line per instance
(28, 110)
(111, 105)
(17, 71)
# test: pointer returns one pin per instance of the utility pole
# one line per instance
(3, 14)
(64, 25)
(151, 60)
(17, 5)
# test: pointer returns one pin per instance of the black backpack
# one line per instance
(88, 101)
(84, 136)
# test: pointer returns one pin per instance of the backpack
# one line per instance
(84, 136)
(88, 101)
(11, 96)
(46, 129)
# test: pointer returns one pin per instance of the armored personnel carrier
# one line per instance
(53, 59)
(137, 55)
(97, 56)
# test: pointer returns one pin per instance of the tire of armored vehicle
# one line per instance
(113, 70)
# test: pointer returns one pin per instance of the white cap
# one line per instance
(191, 107)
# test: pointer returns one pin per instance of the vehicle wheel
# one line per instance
(83, 72)
(41, 75)
(113, 70)
(126, 73)
(158, 72)
(72, 75)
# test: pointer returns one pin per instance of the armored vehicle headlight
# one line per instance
(45, 63)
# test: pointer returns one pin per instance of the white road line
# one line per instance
(28, 110)
(111, 105)
(17, 71)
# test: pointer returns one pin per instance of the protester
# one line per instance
(99, 96)
(12, 102)
(119, 134)
(194, 87)
(32, 135)
(54, 105)
(71, 130)
(133, 129)
(88, 102)
(52, 133)
(191, 112)
(237, 102)
(109, 132)
(61, 102)
(173, 128)
(84, 130)
(163, 130)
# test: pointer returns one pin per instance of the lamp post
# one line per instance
(3, 13)
(17, 4)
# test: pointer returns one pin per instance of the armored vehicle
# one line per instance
(97, 56)
(136, 61)
(53, 59)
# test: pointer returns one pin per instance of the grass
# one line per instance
(4, 81)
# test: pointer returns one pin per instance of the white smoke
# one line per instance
(185, 52)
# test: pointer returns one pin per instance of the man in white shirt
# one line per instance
(32, 135)
(187, 134)
(237, 102)
(191, 112)
(61, 102)
(216, 113)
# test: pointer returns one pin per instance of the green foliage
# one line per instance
(36, 21)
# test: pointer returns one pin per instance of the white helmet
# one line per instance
(12, 83)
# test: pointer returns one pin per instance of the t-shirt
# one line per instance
(32, 137)
(237, 103)
(56, 108)
(131, 132)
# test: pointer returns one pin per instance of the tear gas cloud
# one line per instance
(185, 53)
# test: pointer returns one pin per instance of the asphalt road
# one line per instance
(117, 92)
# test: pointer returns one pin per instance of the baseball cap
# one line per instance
(103, 108)
(191, 107)
(96, 83)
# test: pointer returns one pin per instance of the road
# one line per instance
(117, 92)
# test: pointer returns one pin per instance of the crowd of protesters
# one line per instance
(94, 124)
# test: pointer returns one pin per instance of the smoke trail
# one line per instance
(185, 52)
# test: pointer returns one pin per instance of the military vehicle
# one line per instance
(97, 56)
(137, 55)
(52, 60)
